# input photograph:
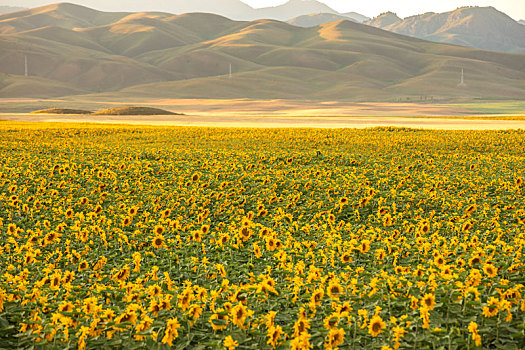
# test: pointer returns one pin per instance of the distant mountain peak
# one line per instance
(479, 27)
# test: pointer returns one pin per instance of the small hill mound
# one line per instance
(61, 111)
(134, 111)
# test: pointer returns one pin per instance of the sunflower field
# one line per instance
(199, 238)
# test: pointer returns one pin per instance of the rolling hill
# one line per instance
(233, 9)
(357, 17)
(479, 27)
(8, 9)
(74, 50)
(316, 19)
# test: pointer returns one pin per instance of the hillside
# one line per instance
(357, 17)
(521, 21)
(479, 27)
(316, 19)
(163, 55)
(9, 9)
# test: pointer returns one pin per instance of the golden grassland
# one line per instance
(147, 237)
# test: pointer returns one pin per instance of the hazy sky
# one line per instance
(404, 8)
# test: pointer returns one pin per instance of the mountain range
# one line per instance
(480, 27)
(72, 49)
(233, 9)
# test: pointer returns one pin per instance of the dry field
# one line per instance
(282, 113)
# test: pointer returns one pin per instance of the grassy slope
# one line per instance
(158, 54)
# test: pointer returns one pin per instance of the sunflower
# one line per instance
(257, 250)
(424, 228)
(29, 258)
(196, 236)
(492, 307)
(336, 336)
(380, 254)
(11, 228)
(239, 314)
(205, 229)
(219, 320)
(158, 241)
(69, 213)
(473, 329)
(98, 209)
(223, 239)
(50, 238)
(476, 259)
(55, 281)
(128, 316)
(472, 208)
(66, 306)
(376, 326)
(490, 270)
(429, 301)
(221, 270)
(334, 290)
(133, 211)
(364, 201)
(387, 220)
(317, 296)
(439, 261)
(346, 258)
(230, 343)
(270, 244)
(68, 277)
(166, 213)
(83, 265)
(245, 233)
(127, 221)
(274, 333)
(171, 331)
(195, 177)
(301, 326)
(365, 246)
(330, 321)
(123, 274)
(383, 211)
(466, 226)
(343, 201)
(345, 307)
(158, 230)
(144, 325)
